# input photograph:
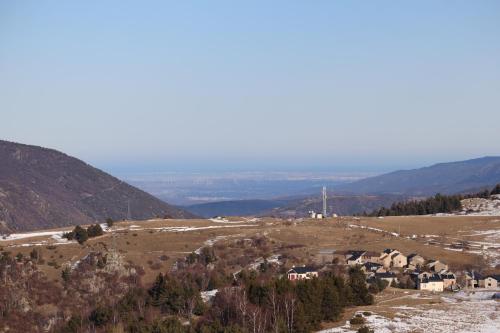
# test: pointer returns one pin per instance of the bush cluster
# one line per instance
(81, 235)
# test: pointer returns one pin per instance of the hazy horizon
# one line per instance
(220, 86)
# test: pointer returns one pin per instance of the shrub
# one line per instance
(94, 231)
(74, 324)
(36, 254)
(66, 274)
(109, 222)
(357, 321)
(80, 234)
(365, 329)
(496, 190)
(69, 235)
(54, 264)
(100, 316)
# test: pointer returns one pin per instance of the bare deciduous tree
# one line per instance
(290, 304)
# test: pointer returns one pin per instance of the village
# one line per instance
(411, 271)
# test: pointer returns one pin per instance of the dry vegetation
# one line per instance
(269, 245)
(145, 244)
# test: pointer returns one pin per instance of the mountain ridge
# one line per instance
(446, 177)
(456, 177)
(43, 188)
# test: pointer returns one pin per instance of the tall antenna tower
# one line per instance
(324, 201)
(129, 215)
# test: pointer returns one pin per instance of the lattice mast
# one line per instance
(324, 201)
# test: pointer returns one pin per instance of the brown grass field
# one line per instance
(145, 244)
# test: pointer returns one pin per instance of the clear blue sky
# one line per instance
(256, 84)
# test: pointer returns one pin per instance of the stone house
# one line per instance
(355, 258)
(433, 283)
(415, 261)
(371, 267)
(371, 256)
(489, 282)
(472, 279)
(437, 266)
(392, 258)
(398, 260)
(385, 260)
(301, 273)
(449, 281)
(386, 276)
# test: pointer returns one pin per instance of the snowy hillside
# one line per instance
(482, 207)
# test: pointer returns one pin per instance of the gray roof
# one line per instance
(448, 276)
(475, 275)
(385, 275)
(371, 265)
(302, 270)
(432, 278)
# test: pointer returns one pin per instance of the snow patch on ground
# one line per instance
(274, 259)
(374, 229)
(451, 249)
(482, 207)
(403, 307)
(185, 229)
(224, 220)
(12, 237)
(468, 315)
(207, 296)
(59, 240)
(210, 242)
(489, 246)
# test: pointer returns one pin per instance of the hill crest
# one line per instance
(45, 188)
(447, 178)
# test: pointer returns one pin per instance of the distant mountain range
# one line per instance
(445, 178)
(44, 188)
(372, 193)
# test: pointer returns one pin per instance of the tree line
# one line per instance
(249, 304)
(433, 205)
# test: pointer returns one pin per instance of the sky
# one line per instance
(268, 85)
